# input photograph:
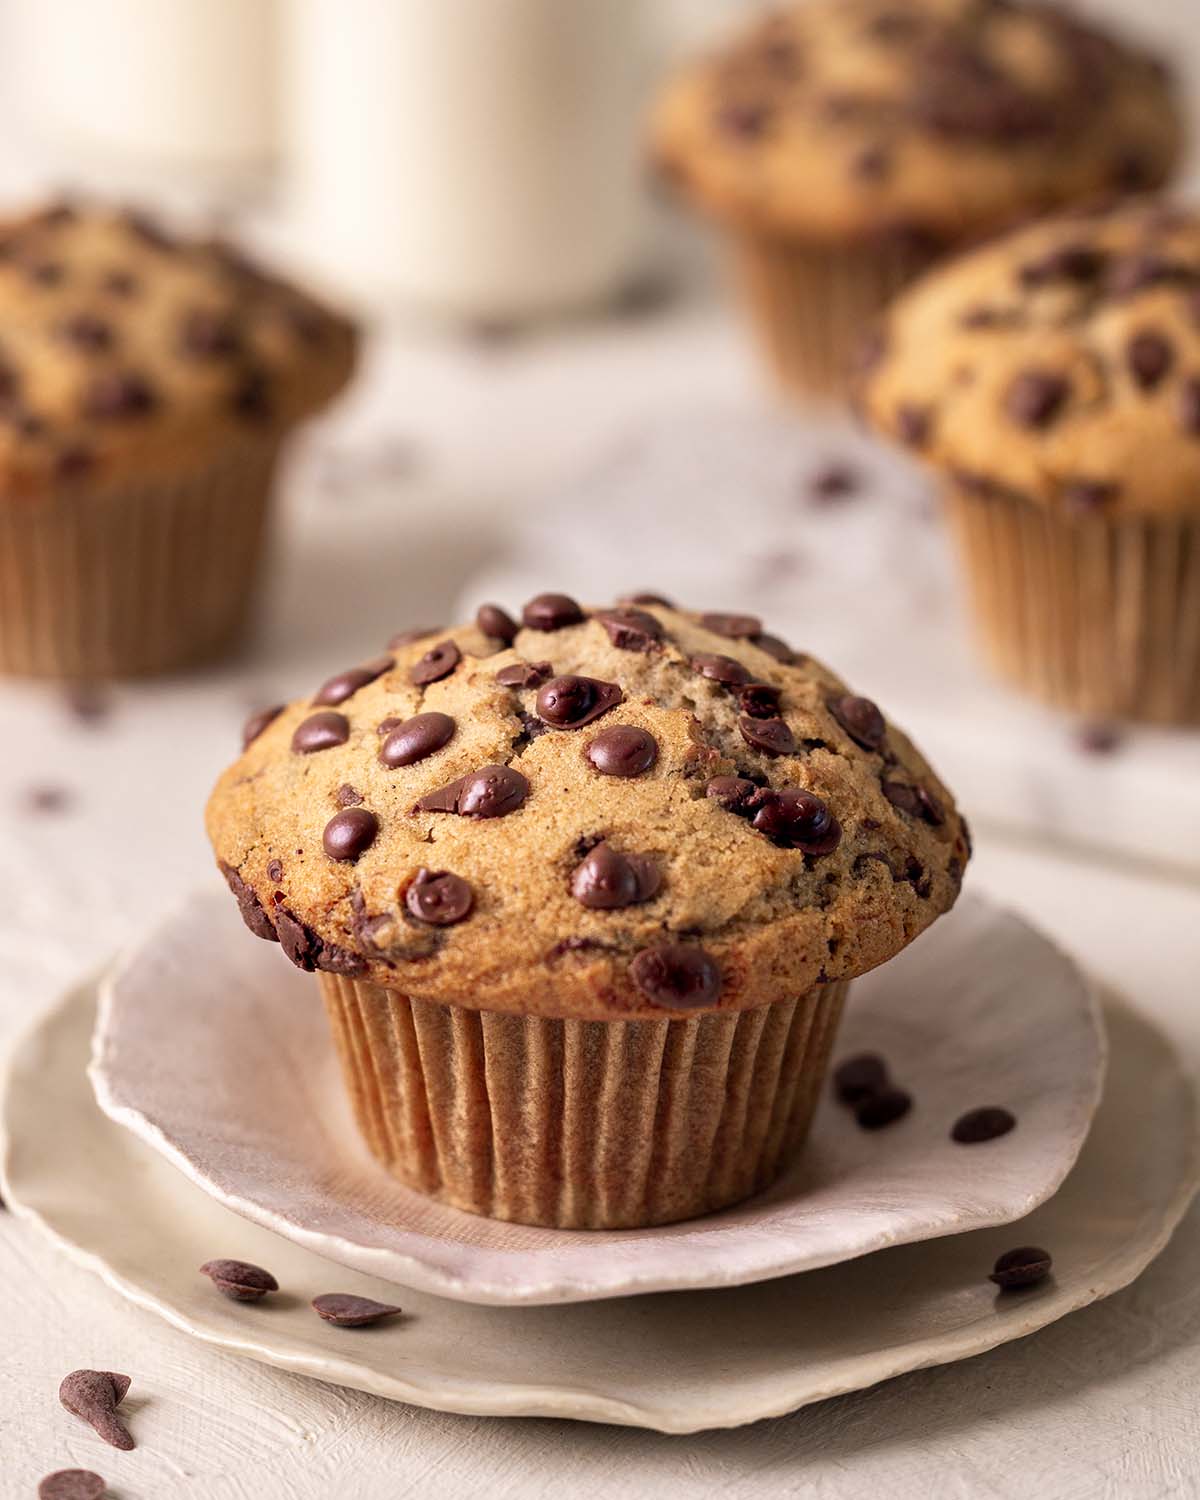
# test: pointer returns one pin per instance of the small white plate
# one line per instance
(226, 1068)
(675, 1363)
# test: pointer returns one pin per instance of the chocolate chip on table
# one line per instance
(551, 612)
(1022, 1267)
(1150, 357)
(606, 880)
(795, 819)
(677, 976)
(914, 424)
(490, 792)
(345, 684)
(496, 623)
(117, 395)
(524, 674)
(733, 627)
(249, 905)
(414, 739)
(93, 1396)
(72, 1484)
(882, 1108)
(239, 1279)
(348, 1311)
(439, 898)
(572, 702)
(860, 1077)
(624, 750)
(915, 801)
(861, 720)
(438, 662)
(349, 834)
(722, 669)
(771, 736)
(320, 732)
(985, 1124)
(733, 793)
(631, 629)
(1035, 398)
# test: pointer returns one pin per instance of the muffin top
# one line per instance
(932, 119)
(633, 811)
(1061, 364)
(125, 351)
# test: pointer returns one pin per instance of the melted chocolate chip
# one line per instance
(631, 629)
(1035, 398)
(915, 801)
(337, 689)
(733, 793)
(416, 738)
(308, 951)
(118, 395)
(734, 627)
(551, 612)
(345, 1310)
(249, 905)
(771, 736)
(1025, 1266)
(796, 819)
(572, 702)
(239, 1279)
(524, 674)
(606, 880)
(490, 792)
(496, 623)
(321, 732)
(256, 723)
(860, 1077)
(914, 424)
(722, 669)
(1150, 357)
(986, 1124)
(861, 720)
(760, 700)
(349, 834)
(439, 898)
(883, 1108)
(624, 750)
(438, 662)
(677, 976)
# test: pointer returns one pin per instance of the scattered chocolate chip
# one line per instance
(722, 669)
(256, 723)
(1023, 1267)
(860, 1077)
(239, 1279)
(207, 333)
(117, 395)
(771, 736)
(773, 646)
(496, 623)
(606, 880)
(1099, 738)
(93, 1396)
(72, 1484)
(337, 689)
(1087, 497)
(645, 598)
(249, 905)
(490, 792)
(572, 702)
(415, 738)
(733, 793)
(348, 1311)
(677, 976)
(320, 732)
(1150, 357)
(438, 662)
(914, 424)
(439, 898)
(551, 612)
(524, 674)
(835, 482)
(882, 1108)
(795, 819)
(984, 1124)
(631, 629)
(624, 750)
(1189, 406)
(861, 720)
(349, 834)
(734, 627)
(760, 700)
(1035, 398)
(85, 331)
(915, 801)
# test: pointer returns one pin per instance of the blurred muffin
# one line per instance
(146, 384)
(1053, 381)
(583, 898)
(846, 144)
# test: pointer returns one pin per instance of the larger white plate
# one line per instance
(226, 1068)
(676, 1363)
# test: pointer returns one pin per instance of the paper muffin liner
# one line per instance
(581, 1124)
(1097, 616)
(134, 578)
(812, 306)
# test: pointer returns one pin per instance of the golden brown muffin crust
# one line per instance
(706, 821)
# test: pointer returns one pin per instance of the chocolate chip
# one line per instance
(348, 1311)
(984, 1124)
(551, 612)
(73, 462)
(796, 819)
(645, 598)
(1089, 496)
(249, 905)
(860, 1077)
(1078, 263)
(733, 793)
(872, 163)
(496, 623)
(337, 689)
(438, 662)
(349, 834)
(308, 951)
(256, 723)
(624, 750)
(722, 669)
(490, 792)
(320, 732)
(207, 333)
(572, 702)
(760, 700)
(861, 720)
(251, 396)
(118, 395)
(915, 801)
(93, 1396)
(742, 122)
(1189, 406)
(914, 424)
(87, 332)
(735, 627)
(773, 646)
(1035, 398)
(1150, 357)
(72, 1484)
(677, 976)
(524, 674)
(882, 1108)
(606, 880)
(771, 736)
(416, 738)
(239, 1279)
(1023, 1267)
(439, 898)
(631, 629)
(836, 481)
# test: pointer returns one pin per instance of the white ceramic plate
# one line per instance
(676, 1363)
(226, 1068)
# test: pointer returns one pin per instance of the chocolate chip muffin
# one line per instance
(845, 144)
(1053, 381)
(583, 895)
(146, 384)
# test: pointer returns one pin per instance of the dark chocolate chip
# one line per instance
(722, 669)
(860, 1077)
(72, 1484)
(796, 819)
(882, 1108)
(631, 629)
(93, 1396)
(320, 732)
(207, 333)
(1150, 357)
(249, 905)
(439, 898)
(771, 736)
(337, 689)
(524, 674)
(256, 723)
(1087, 497)
(1035, 398)
(915, 801)
(677, 976)
(1025, 1266)
(239, 1279)
(733, 793)
(760, 700)
(984, 1124)
(87, 332)
(861, 720)
(734, 627)
(572, 702)
(773, 646)
(490, 792)
(348, 1311)
(415, 738)
(551, 612)
(606, 880)
(624, 750)
(349, 834)
(307, 951)
(1189, 406)
(118, 395)
(914, 424)
(438, 662)
(496, 623)
(646, 598)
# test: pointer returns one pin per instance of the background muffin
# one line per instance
(1053, 379)
(583, 898)
(145, 386)
(845, 144)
